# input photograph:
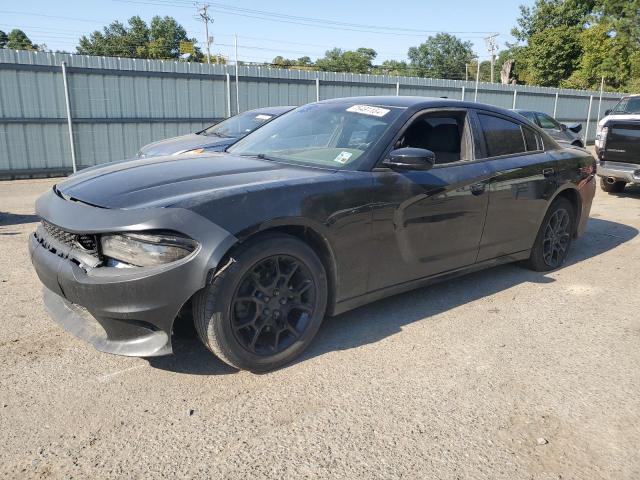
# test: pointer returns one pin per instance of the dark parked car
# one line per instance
(618, 145)
(216, 137)
(563, 134)
(329, 207)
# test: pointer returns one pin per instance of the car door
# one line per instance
(429, 222)
(523, 178)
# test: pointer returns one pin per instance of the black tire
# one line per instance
(615, 187)
(236, 319)
(553, 242)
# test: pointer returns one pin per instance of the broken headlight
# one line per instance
(146, 249)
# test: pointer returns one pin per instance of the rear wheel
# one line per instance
(264, 308)
(613, 187)
(553, 241)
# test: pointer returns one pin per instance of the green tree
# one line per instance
(394, 67)
(353, 61)
(18, 40)
(550, 14)
(441, 56)
(3, 39)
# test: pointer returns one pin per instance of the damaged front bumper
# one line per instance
(125, 311)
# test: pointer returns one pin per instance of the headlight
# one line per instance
(144, 249)
(601, 137)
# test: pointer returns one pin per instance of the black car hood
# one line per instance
(165, 181)
(171, 146)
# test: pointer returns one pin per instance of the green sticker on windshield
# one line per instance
(343, 157)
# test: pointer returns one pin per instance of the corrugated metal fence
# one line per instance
(117, 105)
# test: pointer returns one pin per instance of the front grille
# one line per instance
(85, 242)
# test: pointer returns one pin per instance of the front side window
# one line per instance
(627, 105)
(333, 135)
(238, 126)
(546, 121)
(502, 137)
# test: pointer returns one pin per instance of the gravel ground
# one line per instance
(503, 374)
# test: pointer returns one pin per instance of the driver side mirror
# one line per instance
(410, 159)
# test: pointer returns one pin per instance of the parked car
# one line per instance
(216, 137)
(563, 134)
(332, 206)
(618, 145)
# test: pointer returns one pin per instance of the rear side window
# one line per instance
(546, 121)
(502, 137)
(531, 140)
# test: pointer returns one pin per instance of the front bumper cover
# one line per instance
(126, 311)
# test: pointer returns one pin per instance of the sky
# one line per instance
(391, 26)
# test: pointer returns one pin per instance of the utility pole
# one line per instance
(492, 48)
(206, 18)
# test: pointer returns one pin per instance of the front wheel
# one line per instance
(613, 187)
(552, 243)
(265, 307)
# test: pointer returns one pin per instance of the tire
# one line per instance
(550, 238)
(615, 187)
(251, 316)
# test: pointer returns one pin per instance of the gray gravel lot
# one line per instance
(458, 380)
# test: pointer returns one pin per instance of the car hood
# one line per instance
(169, 180)
(632, 117)
(171, 146)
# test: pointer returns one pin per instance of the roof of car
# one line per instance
(416, 102)
(279, 110)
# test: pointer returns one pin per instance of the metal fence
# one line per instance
(107, 108)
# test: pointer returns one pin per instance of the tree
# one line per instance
(18, 40)
(441, 56)
(394, 67)
(337, 60)
(551, 13)
(3, 39)
(160, 40)
(304, 63)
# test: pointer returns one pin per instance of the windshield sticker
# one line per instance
(368, 110)
(343, 157)
(263, 117)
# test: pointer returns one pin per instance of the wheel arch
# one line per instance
(572, 194)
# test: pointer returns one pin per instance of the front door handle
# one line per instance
(478, 188)
(548, 172)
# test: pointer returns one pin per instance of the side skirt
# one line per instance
(354, 302)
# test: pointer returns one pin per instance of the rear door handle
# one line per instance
(548, 172)
(478, 188)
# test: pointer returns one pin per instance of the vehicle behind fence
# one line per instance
(61, 110)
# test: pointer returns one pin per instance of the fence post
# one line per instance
(475, 96)
(555, 106)
(317, 89)
(515, 96)
(462, 94)
(586, 131)
(228, 82)
(397, 88)
(67, 101)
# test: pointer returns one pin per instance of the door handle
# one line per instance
(478, 188)
(547, 172)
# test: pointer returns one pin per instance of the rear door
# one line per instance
(523, 178)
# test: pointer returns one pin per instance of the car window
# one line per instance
(445, 134)
(627, 105)
(332, 135)
(239, 125)
(545, 121)
(529, 116)
(531, 139)
(502, 137)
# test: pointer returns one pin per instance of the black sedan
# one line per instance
(563, 134)
(334, 205)
(216, 137)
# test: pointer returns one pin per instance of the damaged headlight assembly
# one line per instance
(145, 249)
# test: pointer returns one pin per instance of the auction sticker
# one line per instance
(368, 110)
(343, 157)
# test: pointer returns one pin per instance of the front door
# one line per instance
(429, 222)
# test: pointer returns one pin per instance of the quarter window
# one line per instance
(531, 140)
(502, 137)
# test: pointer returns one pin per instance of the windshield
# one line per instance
(322, 134)
(239, 125)
(626, 105)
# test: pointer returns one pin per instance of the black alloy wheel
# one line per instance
(557, 238)
(273, 304)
